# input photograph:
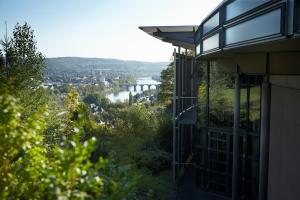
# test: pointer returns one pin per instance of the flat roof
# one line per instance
(177, 35)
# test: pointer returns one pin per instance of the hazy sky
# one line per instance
(102, 28)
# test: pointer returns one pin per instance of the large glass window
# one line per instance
(221, 95)
(210, 24)
(238, 7)
(211, 42)
(262, 26)
(215, 136)
(249, 133)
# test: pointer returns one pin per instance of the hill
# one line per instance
(79, 64)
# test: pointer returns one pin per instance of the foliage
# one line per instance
(165, 92)
(28, 171)
(1, 60)
(25, 62)
(152, 158)
(165, 131)
(137, 120)
(54, 147)
(87, 89)
(156, 187)
(97, 99)
(111, 67)
(130, 101)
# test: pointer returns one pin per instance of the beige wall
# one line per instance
(284, 162)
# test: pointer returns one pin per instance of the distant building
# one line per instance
(236, 131)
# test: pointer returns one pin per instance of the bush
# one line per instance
(29, 171)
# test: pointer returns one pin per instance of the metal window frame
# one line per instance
(207, 19)
(296, 25)
(283, 26)
(213, 33)
(248, 15)
(244, 14)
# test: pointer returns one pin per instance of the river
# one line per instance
(124, 95)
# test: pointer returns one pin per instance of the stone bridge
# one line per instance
(127, 86)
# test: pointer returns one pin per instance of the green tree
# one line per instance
(1, 60)
(165, 92)
(130, 99)
(25, 63)
(97, 99)
(29, 171)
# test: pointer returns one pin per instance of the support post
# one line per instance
(264, 139)
(174, 123)
(236, 135)
(207, 124)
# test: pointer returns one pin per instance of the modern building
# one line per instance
(236, 131)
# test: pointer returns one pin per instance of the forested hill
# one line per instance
(80, 64)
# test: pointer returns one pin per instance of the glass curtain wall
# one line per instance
(214, 139)
(250, 106)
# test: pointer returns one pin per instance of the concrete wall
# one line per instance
(284, 160)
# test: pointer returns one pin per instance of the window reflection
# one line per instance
(211, 23)
(215, 137)
(268, 24)
(220, 97)
(241, 6)
(211, 42)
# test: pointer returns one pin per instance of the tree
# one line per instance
(130, 98)
(165, 92)
(24, 63)
(1, 60)
(29, 171)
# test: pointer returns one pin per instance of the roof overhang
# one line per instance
(182, 36)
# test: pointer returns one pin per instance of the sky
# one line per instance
(102, 28)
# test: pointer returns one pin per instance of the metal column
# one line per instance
(264, 139)
(207, 125)
(236, 127)
(174, 122)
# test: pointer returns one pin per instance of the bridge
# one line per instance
(127, 86)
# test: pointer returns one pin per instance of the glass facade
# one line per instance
(215, 135)
(212, 23)
(262, 26)
(239, 7)
(211, 42)
(250, 107)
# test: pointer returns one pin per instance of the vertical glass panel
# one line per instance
(250, 128)
(211, 23)
(211, 42)
(238, 7)
(202, 77)
(220, 97)
(198, 49)
(261, 26)
(254, 110)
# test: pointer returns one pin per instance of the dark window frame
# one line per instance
(283, 28)
(249, 12)
(296, 25)
(210, 16)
